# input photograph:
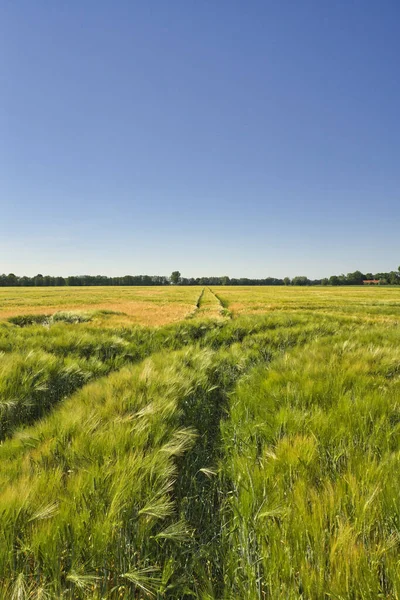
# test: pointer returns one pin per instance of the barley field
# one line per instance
(221, 443)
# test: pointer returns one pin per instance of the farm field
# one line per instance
(144, 305)
(164, 305)
(215, 443)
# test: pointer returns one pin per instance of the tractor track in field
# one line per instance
(209, 306)
(193, 313)
(225, 312)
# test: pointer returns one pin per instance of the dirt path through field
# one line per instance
(209, 306)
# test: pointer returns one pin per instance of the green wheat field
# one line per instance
(212, 443)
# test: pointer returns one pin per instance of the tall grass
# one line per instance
(91, 499)
(312, 453)
(243, 458)
(33, 382)
(40, 366)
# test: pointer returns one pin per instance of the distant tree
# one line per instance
(334, 280)
(300, 280)
(12, 279)
(25, 281)
(355, 278)
(175, 277)
(324, 281)
(287, 281)
(72, 280)
(225, 280)
(394, 277)
(38, 279)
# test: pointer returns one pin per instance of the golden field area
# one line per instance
(144, 305)
(163, 305)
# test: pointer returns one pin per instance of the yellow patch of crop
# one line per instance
(144, 305)
(162, 305)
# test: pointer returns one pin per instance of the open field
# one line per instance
(144, 305)
(163, 305)
(247, 447)
(358, 301)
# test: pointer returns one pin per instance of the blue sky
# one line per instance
(250, 139)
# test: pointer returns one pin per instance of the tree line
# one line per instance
(356, 278)
(80, 280)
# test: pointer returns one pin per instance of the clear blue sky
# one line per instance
(253, 139)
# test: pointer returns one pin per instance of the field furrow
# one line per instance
(209, 306)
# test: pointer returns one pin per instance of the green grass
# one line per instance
(313, 446)
(222, 457)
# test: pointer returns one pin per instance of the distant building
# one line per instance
(371, 282)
